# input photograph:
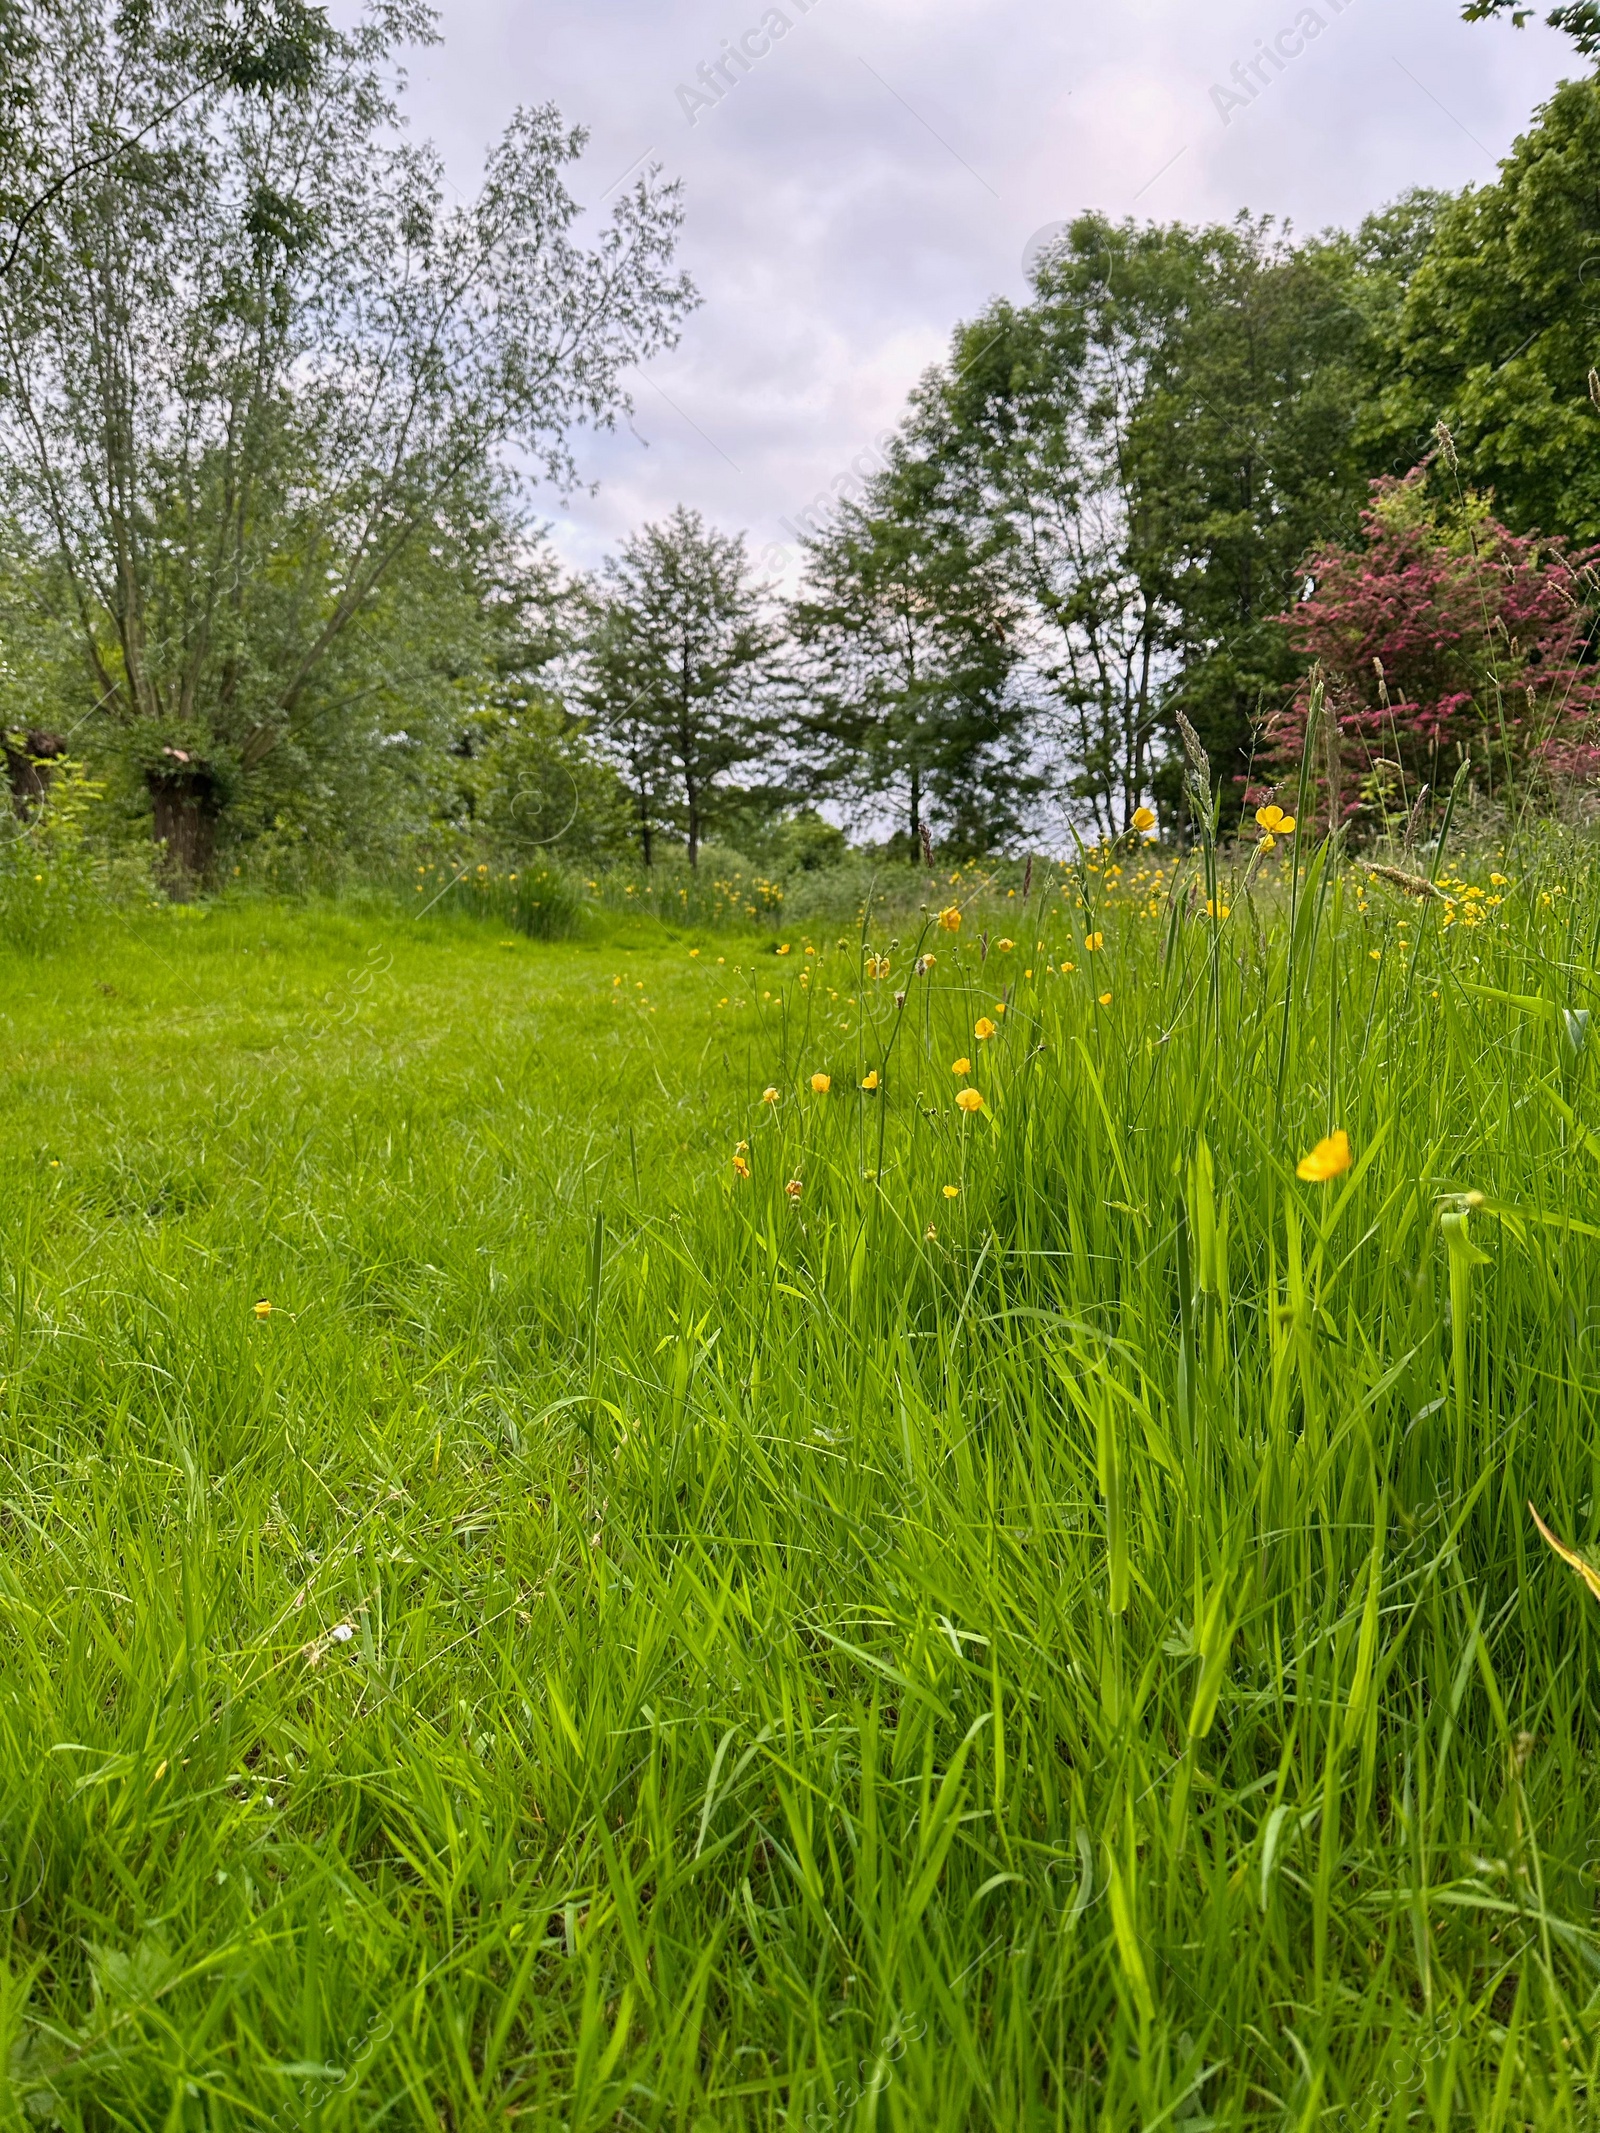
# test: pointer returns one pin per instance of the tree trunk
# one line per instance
(186, 804)
(30, 767)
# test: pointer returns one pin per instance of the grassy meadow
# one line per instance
(565, 1563)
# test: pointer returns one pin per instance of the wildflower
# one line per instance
(1275, 822)
(1005, 947)
(871, 1082)
(1500, 881)
(1094, 942)
(1105, 999)
(794, 1189)
(741, 1167)
(924, 964)
(930, 1235)
(263, 1309)
(616, 981)
(899, 999)
(693, 952)
(952, 1192)
(1143, 821)
(769, 1096)
(950, 919)
(743, 1148)
(985, 1029)
(1218, 911)
(1329, 1159)
(970, 1101)
(1067, 969)
(962, 1066)
(822, 1083)
(1269, 843)
(877, 966)
(784, 950)
(1376, 954)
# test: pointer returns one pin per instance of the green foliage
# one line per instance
(620, 1639)
(676, 657)
(906, 654)
(1500, 328)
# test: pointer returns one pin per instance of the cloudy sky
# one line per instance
(880, 170)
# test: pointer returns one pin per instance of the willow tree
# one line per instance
(252, 364)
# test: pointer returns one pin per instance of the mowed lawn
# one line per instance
(729, 1588)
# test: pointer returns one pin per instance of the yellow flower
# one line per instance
(1329, 1159)
(952, 1192)
(1214, 910)
(1143, 821)
(985, 1029)
(970, 1101)
(1376, 954)
(871, 1081)
(769, 1096)
(784, 950)
(950, 919)
(877, 966)
(616, 981)
(1269, 843)
(263, 1309)
(693, 952)
(1005, 947)
(822, 1083)
(1275, 822)
(741, 1166)
(1500, 881)
(1094, 942)
(1105, 999)
(1067, 969)
(962, 1066)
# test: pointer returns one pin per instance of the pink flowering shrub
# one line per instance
(1444, 635)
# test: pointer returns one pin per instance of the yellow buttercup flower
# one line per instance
(1105, 999)
(1094, 942)
(263, 1309)
(984, 1029)
(785, 949)
(769, 1096)
(741, 1166)
(1275, 822)
(1005, 947)
(1143, 821)
(871, 1081)
(970, 1101)
(962, 1066)
(1329, 1159)
(821, 1083)
(950, 919)
(952, 1192)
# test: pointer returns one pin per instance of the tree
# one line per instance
(1580, 19)
(254, 365)
(1445, 638)
(905, 640)
(676, 655)
(1160, 435)
(1499, 331)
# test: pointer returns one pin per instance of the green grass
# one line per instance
(618, 1645)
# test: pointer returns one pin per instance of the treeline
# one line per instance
(266, 571)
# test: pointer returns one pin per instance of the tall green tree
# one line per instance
(678, 658)
(907, 653)
(1498, 336)
(1580, 19)
(255, 367)
(1161, 435)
